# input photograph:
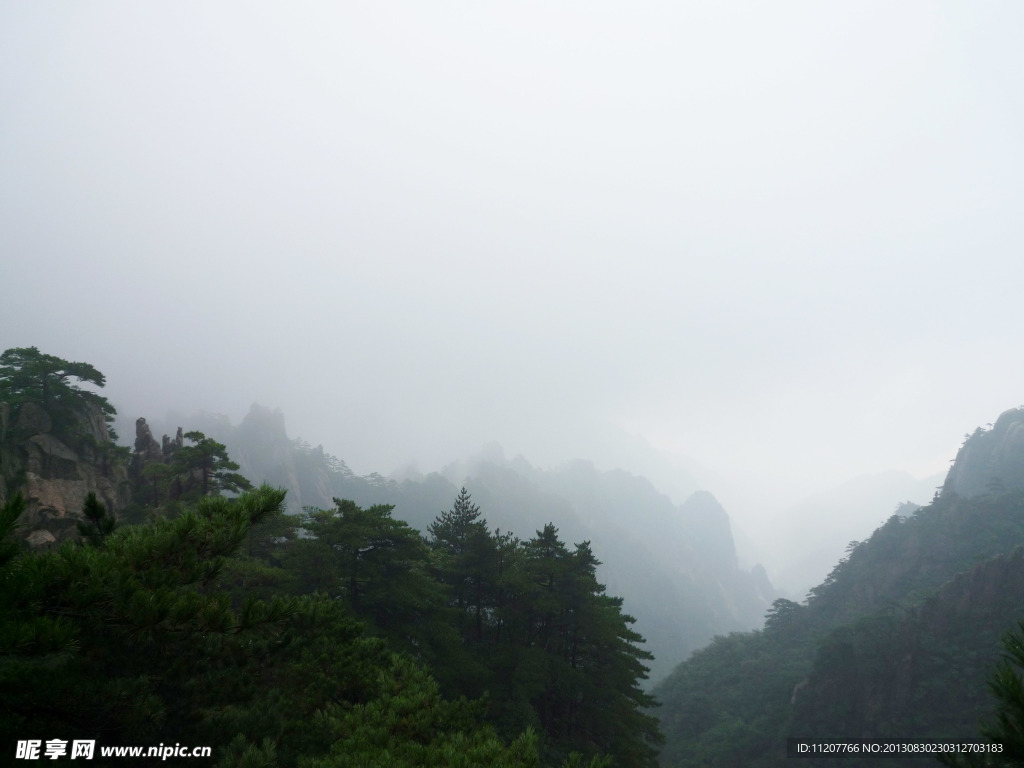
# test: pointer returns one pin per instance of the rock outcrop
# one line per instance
(265, 454)
(990, 460)
(262, 449)
(146, 446)
(56, 469)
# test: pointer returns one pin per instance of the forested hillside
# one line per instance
(675, 565)
(190, 610)
(460, 618)
(806, 540)
(896, 643)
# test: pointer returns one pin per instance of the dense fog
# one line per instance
(755, 248)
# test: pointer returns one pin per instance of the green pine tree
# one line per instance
(204, 469)
(1005, 730)
(28, 375)
(466, 560)
(98, 523)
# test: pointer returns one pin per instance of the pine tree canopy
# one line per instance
(28, 375)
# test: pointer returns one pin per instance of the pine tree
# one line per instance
(134, 642)
(98, 523)
(9, 514)
(1006, 728)
(591, 701)
(96, 640)
(204, 469)
(381, 569)
(451, 531)
(157, 476)
(1007, 685)
(28, 375)
(467, 561)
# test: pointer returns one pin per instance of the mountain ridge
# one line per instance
(895, 643)
(675, 565)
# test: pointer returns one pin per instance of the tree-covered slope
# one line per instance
(523, 622)
(675, 565)
(918, 673)
(337, 636)
(895, 644)
(139, 639)
(804, 541)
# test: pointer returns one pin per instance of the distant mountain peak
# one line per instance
(990, 460)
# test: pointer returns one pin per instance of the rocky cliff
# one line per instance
(56, 468)
(990, 460)
(265, 454)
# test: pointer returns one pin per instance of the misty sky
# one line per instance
(782, 239)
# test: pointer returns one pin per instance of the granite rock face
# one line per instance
(146, 445)
(55, 470)
(990, 460)
(265, 454)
